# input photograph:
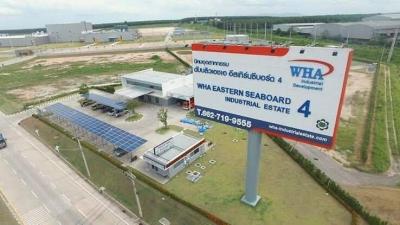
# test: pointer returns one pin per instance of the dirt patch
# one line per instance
(44, 91)
(187, 57)
(142, 57)
(155, 31)
(359, 83)
(384, 202)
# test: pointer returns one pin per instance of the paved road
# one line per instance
(43, 190)
(343, 175)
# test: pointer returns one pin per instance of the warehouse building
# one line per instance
(158, 88)
(171, 156)
(383, 17)
(295, 27)
(68, 32)
(83, 32)
(365, 30)
(23, 40)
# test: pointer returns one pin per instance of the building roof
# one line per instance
(389, 16)
(133, 92)
(379, 24)
(152, 76)
(172, 148)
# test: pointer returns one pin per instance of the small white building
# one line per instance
(174, 154)
(158, 88)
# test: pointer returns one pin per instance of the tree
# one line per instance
(132, 104)
(163, 116)
(83, 89)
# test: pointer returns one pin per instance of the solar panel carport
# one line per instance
(116, 104)
(117, 137)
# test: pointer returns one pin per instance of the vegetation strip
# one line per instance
(329, 184)
(151, 183)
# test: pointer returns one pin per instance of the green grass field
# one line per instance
(380, 152)
(16, 76)
(395, 82)
(6, 217)
(289, 194)
(155, 205)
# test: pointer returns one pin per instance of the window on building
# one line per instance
(196, 151)
(132, 82)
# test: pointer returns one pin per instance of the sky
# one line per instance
(17, 14)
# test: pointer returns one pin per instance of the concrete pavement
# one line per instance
(44, 190)
(341, 174)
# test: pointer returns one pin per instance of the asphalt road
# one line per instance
(42, 189)
(343, 175)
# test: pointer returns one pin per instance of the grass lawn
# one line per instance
(381, 201)
(155, 205)
(134, 117)
(395, 83)
(289, 194)
(380, 151)
(16, 76)
(163, 130)
(5, 215)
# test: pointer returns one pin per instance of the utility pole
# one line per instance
(257, 30)
(393, 45)
(133, 178)
(265, 31)
(83, 156)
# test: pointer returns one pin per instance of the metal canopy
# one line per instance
(117, 137)
(116, 104)
(133, 92)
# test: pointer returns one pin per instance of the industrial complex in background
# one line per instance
(373, 27)
(70, 32)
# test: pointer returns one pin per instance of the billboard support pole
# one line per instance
(252, 171)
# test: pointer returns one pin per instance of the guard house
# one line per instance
(174, 154)
(158, 88)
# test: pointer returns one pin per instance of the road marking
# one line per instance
(41, 174)
(66, 198)
(25, 156)
(47, 209)
(34, 194)
(15, 172)
(6, 162)
(59, 223)
(23, 181)
(83, 214)
(67, 174)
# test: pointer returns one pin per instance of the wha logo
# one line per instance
(314, 73)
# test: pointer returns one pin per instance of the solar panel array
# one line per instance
(119, 105)
(117, 137)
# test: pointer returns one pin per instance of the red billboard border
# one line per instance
(278, 51)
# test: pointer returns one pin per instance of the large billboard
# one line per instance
(292, 92)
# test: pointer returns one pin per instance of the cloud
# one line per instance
(6, 11)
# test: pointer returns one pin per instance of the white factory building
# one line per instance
(365, 30)
(174, 154)
(23, 40)
(373, 27)
(295, 27)
(158, 88)
(68, 32)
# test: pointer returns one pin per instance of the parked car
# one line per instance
(111, 113)
(119, 113)
(87, 102)
(3, 142)
(97, 107)
(107, 109)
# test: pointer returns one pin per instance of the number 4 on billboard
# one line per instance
(305, 109)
